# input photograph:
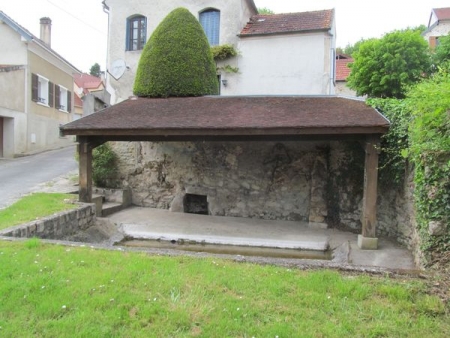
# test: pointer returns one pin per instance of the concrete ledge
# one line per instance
(315, 225)
(315, 243)
(367, 243)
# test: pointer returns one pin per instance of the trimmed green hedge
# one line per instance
(177, 60)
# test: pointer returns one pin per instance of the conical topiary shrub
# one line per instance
(177, 60)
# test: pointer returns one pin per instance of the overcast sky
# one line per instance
(79, 28)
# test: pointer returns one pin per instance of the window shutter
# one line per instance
(57, 97)
(69, 101)
(34, 87)
(50, 94)
(128, 36)
(210, 21)
(432, 41)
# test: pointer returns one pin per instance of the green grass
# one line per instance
(57, 291)
(34, 206)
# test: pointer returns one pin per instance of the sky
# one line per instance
(79, 28)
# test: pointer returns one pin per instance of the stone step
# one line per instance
(109, 208)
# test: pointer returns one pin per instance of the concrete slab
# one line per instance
(156, 223)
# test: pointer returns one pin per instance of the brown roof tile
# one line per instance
(342, 69)
(288, 23)
(442, 13)
(246, 115)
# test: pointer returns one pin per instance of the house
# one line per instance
(438, 25)
(36, 86)
(281, 54)
(90, 93)
(342, 72)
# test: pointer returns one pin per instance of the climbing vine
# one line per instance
(420, 134)
(430, 151)
(394, 144)
(224, 52)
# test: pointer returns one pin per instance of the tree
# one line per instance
(442, 51)
(386, 67)
(95, 70)
(177, 60)
(265, 11)
(350, 49)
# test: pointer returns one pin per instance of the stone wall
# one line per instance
(56, 226)
(266, 180)
(319, 182)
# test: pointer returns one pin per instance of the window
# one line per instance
(41, 90)
(210, 21)
(136, 32)
(63, 99)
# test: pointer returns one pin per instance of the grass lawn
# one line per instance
(34, 206)
(57, 291)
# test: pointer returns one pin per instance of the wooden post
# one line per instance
(85, 170)
(368, 240)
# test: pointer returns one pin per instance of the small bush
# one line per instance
(223, 52)
(104, 166)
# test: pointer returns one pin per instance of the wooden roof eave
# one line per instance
(237, 134)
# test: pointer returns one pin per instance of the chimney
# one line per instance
(46, 31)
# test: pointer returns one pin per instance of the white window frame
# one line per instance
(42, 92)
(63, 101)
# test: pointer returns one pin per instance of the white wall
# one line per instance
(291, 64)
(234, 15)
(13, 48)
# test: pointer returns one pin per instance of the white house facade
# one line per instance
(282, 54)
(36, 87)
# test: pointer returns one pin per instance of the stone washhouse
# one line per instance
(269, 157)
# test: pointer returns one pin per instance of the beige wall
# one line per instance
(53, 74)
(344, 90)
(234, 15)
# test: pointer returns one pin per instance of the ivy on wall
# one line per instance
(429, 150)
(224, 52)
(420, 134)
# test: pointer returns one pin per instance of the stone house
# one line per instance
(282, 54)
(90, 95)
(438, 25)
(342, 72)
(36, 86)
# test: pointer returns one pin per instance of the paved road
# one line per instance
(19, 176)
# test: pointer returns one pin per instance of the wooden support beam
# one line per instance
(368, 240)
(85, 169)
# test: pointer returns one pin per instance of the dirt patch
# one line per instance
(104, 232)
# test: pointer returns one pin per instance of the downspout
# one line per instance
(332, 64)
(107, 85)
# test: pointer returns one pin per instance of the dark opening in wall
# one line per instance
(195, 204)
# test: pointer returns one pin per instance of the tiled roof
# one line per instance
(442, 13)
(289, 23)
(232, 116)
(77, 101)
(342, 69)
(86, 82)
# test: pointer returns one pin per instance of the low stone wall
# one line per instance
(56, 226)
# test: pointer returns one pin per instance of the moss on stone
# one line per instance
(177, 60)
